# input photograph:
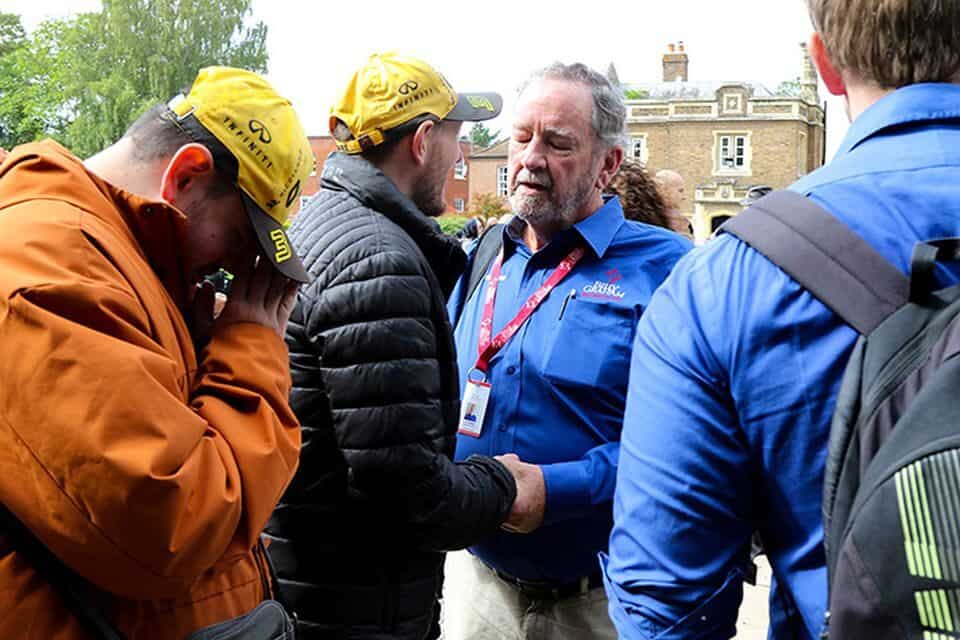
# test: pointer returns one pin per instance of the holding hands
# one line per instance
(526, 515)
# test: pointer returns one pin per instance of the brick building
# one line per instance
(722, 137)
(458, 181)
(488, 170)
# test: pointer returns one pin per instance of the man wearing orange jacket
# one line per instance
(142, 442)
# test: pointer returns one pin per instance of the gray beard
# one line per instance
(551, 209)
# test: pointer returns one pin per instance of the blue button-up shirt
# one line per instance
(734, 378)
(559, 385)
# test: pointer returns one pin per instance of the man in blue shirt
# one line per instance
(558, 383)
(753, 362)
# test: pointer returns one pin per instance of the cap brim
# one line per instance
(474, 107)
(274, 242)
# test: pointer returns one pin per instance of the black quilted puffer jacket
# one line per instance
(357, 539)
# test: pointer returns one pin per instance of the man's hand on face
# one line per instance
(261, 295)
(526, 515)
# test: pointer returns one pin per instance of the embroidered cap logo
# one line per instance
(258, 127)
(283, 247)
(407, 87)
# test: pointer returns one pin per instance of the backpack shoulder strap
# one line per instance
(824, 256)
(488, 246)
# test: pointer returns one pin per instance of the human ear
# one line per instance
(830, 75)
(420, 142)
(190, 164)
(609, 167)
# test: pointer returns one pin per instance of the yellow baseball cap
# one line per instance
(265, 151)
(392, 89)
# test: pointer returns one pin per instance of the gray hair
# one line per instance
(609, 115)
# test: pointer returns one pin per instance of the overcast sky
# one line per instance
(493, 45)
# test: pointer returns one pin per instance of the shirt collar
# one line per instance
(913, 103)
(597, 230)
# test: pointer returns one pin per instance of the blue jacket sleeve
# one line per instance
(681, 510)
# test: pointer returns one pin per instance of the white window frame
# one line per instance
(735, 147)
(459, 205)
(642, 153)
(460, 170)
(503, 181)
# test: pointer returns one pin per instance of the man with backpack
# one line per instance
(755, 361)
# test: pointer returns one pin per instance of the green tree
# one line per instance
(481, 137)
(136, 53)
(789, 88)
(636, 94)
(85, 79)
(12, 33)
(486, 205)
(30, 97)
(451, 224)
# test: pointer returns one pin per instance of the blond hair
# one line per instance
(892, 43)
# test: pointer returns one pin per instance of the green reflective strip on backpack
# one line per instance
(930, 568)
(951, 464)
(916, 523)
(922, 610)
(943, 476)
(947, 614)
(937, 573)
(908, 545)
(936, 610)
(933, 610)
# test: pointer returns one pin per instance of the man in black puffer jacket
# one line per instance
(358, 538)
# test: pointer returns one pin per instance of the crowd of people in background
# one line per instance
(224, 418)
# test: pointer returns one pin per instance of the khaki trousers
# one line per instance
(477, 605)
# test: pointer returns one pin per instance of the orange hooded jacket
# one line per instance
(147, 472)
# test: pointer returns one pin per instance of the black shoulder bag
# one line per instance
(268, 621)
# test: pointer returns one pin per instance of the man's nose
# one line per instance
(534, 158)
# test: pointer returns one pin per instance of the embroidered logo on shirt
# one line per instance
(608, 290)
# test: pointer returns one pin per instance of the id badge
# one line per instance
(474, 408)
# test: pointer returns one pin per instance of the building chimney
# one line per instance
(675, 63)
(808, 78)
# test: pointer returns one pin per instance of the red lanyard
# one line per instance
(490, 347)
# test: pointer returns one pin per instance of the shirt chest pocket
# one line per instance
(590, 345)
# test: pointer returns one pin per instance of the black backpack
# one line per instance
(891, 503)
(488, 246)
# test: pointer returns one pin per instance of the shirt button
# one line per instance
(503, 426)
(511, 370)
(148, 210)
